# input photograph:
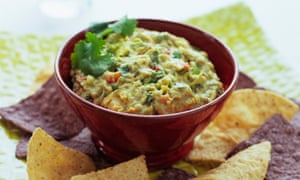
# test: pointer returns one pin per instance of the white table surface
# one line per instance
(278, 18)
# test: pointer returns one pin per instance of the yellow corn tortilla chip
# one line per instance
(251, 163)
(210, 148)
(132, 169)
(243, 113)
(48, 159)
(247, 109)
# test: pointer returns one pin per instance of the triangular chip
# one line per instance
(247, 109)
(252, 163)
(243, 113)
(48, 159)
(245, 81)
(285, 156)
(46, 108)
(210, 148)
(134, 169)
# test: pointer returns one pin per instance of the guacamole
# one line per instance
(152, 73)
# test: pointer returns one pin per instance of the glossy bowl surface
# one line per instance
(164, 139)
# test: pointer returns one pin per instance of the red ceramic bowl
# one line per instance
(164, 139)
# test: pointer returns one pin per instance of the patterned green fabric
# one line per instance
(23, 56)
(237, 28)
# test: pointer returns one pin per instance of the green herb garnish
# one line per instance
(149, 98)
(160, 37)
(195, 70)
(124, 26)
(114, 87)
(155, 76)
(91, 55)
(176, 55)
(124, 69)
(154, 56)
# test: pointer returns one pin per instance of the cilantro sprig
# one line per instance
(90, 54)
(124, 26)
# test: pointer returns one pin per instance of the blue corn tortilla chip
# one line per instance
(245, 81)
(285, 153)
(296, 120)
(174, 173)
(21, 149)
(81, 142)
(47, 109)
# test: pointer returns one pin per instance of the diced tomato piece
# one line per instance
(82, 78)
(156, 68)
(113, 77)
(186, 66)
(164, 99)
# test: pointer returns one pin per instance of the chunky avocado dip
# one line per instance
(143, 71)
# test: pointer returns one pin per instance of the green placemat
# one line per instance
(238, 29)
(22, 57)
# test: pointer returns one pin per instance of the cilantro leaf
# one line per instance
(88, 56)
(155, 76)
(124, 26)
(98, 27)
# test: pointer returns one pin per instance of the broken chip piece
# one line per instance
(48, 159)
(46, 109)
(251, 163)
(134, 169)
(285, 154)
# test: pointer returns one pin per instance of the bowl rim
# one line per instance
(170, 116)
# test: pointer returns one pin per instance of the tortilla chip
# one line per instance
(48, 159)
(174, 173)
(245, 81)
(210, 148)
(47, 109)
(132, 169)
(81, 142)
(244, 112)
(251, 163)
(247, 109)
(21, 149)
(296, 119)
(285, 154)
